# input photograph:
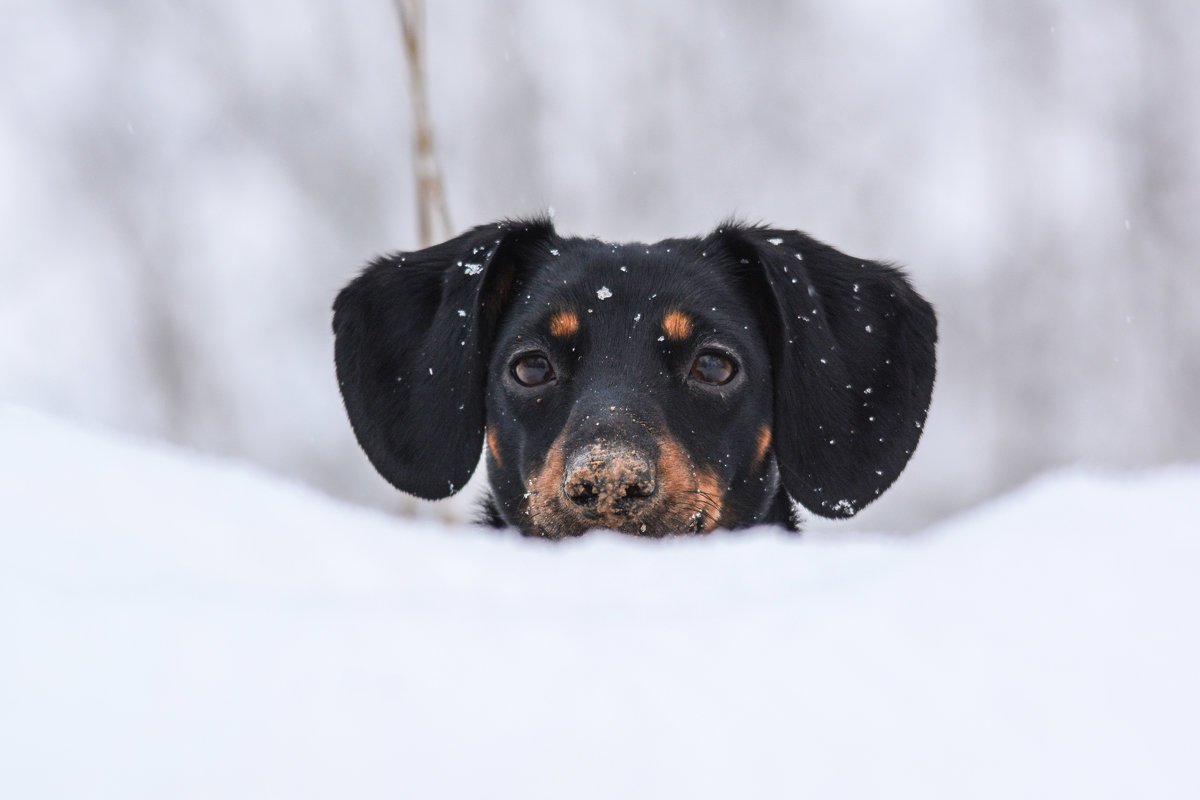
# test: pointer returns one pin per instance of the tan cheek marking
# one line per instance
(673, 470)
(764, 443)
(679, 479)
(564, 324)
(493, 441)
(677, 325)
(710, 488)
(543, 483)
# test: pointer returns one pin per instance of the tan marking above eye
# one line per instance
(564, 324)
(677, 325)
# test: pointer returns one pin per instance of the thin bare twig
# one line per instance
(433, 215)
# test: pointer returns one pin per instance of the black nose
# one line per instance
(604, 480)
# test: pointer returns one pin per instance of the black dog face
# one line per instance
(630, 391)
(678, 387)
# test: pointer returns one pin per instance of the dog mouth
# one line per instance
(652, 489)
(686, 513)
(670, 522)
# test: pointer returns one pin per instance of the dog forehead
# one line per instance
(624, 284)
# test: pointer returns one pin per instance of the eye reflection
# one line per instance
(533, 369)
(714, 368)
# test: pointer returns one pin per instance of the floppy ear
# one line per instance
(412, 339)
(854, 360)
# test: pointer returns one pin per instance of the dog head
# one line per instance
(677, 387)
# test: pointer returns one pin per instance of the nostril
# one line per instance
(639, 491)
(583, 493)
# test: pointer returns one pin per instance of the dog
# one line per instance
(680, 387)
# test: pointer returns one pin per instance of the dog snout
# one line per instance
(603, 482)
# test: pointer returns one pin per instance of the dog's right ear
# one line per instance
(412, 339)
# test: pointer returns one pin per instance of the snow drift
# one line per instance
(178, 626)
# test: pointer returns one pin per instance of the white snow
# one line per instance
(179, 626)
(604, 293)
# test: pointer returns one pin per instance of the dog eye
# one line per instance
(533, 370)
(713, 368)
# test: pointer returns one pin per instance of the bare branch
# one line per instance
(433, 214)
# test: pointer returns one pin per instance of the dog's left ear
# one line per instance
(854, 359)
(413, 334)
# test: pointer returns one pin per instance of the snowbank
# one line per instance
(177, 626)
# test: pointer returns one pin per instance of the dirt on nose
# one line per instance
(609, 482)
(616, 485)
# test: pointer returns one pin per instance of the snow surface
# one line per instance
(179, 626)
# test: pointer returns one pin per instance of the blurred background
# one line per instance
(184, 187)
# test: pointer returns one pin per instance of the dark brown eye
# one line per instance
(533, 370)
(713, 368)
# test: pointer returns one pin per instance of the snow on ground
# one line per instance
(177, 626)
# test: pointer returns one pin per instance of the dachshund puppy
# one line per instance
(678, 387)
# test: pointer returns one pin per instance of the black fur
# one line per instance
(834, 357)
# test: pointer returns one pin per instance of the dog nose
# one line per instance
(601, 481)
